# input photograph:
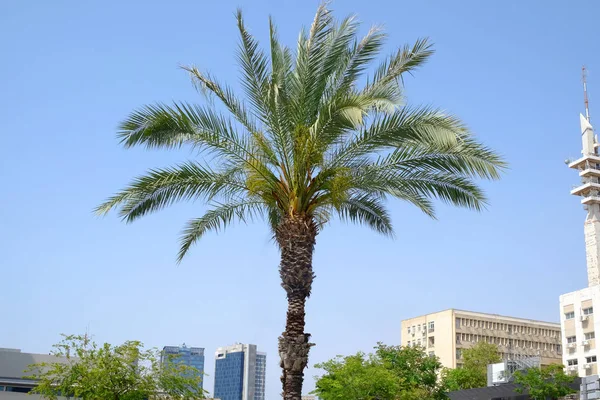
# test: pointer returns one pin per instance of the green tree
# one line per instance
(313, 139)
(356, 377)
(391, 373)
(126, 372)
(548, 382)
(480, 356)
(462, 378)
(416, 371)
(473, 373)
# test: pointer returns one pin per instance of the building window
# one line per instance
(418, 328)
(419, 343)
(431, 326)
(458, 354)
(591, 359)
(588, 311)
(558, 348)
(590, 335)
(458, 322)
(432, 354)
(571, 339)
(431, 341)
(408, 343)
(572, 362)
(570, 315)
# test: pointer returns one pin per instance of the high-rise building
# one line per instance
(240, 373)
(191, 356)
(446, 334)
(577, 308)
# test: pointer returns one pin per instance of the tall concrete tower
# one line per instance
(589, 189)
(577, 322)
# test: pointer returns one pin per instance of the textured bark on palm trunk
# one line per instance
(296, 238)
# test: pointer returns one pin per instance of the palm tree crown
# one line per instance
(308, 140)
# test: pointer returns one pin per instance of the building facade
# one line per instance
(577, 308)
(240, 372)
(447, 333)
(191, 356)
(13, 363)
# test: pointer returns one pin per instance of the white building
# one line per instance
(578, 324)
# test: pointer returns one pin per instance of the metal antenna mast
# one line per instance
(585, 95)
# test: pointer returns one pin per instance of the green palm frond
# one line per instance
(405, 127)
(255, 68)
(406, 60)
(369, 210)
(206, 84)
(163, 187)
(217, 219)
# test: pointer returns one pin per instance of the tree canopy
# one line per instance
(473, 373)
(320, 134)
(89, 371)
(547, 382)
(390, 373)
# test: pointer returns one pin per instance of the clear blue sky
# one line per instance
(71, 71)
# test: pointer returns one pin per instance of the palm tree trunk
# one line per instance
(296, 238)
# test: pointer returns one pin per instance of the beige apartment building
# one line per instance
(446, 333)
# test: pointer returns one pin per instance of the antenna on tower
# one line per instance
(585, 95)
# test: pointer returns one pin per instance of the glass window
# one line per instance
(590, 359)
(570, 315)
(432, 354)
(458, 354)
(408, 330)
(588, 311)
(408, 343)
(572, 362)
(431, 326)
(590, 335)
(571, 339)
(458, 322)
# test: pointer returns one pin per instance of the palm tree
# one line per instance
(313, 139)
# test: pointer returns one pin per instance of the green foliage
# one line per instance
(478, 357)
(548, 382)
(462, 378)
(391, 373)
(317, 133)
(473, 373)
(124, 372)
(356, 377)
